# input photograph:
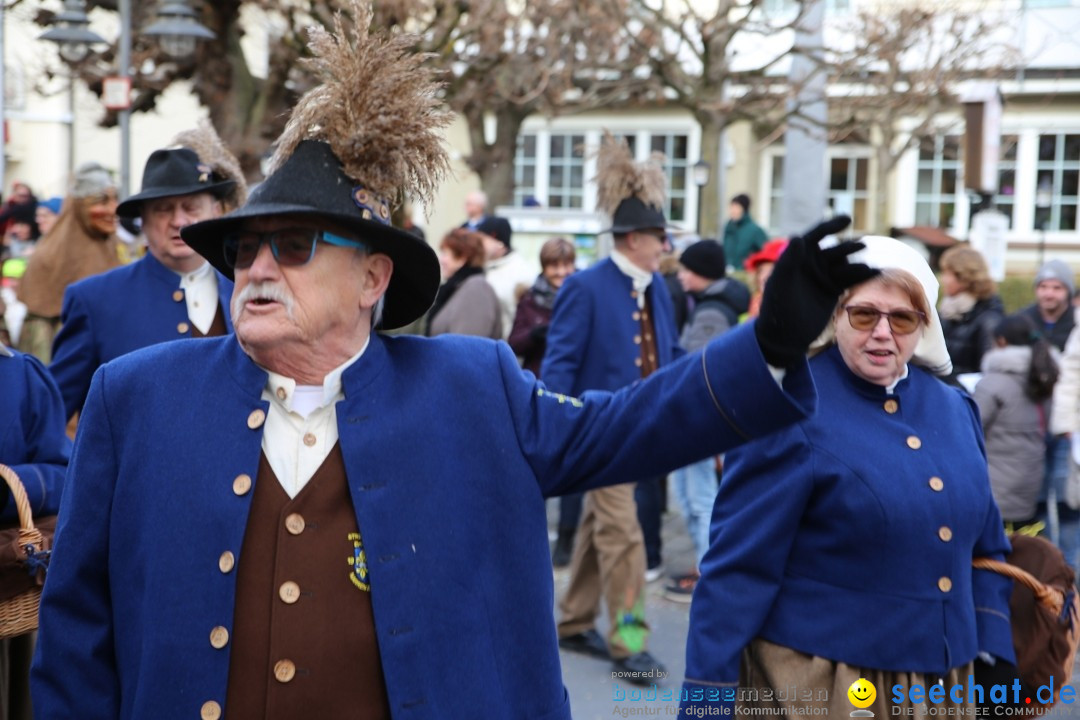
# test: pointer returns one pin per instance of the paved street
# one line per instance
(589, 681)
(593, 690)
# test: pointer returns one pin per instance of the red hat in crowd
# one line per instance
(770, 252)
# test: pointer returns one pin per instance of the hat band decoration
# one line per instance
(371, 206)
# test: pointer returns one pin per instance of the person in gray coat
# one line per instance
(1018, 379)
(466, 303)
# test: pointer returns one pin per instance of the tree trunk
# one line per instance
(708, 196)
(494, 162)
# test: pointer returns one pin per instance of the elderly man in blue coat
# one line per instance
(171, 293)
(310, 519)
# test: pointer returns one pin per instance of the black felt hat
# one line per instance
(632, 193)
(632, 214)
(312, 184)
(169, 173)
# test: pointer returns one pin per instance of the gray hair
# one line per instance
(91, 179)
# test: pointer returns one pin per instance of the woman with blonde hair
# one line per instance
(970, 309)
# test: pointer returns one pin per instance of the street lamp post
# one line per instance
(179, 32)
(74, 38)
(701, 172)
(1044, 195)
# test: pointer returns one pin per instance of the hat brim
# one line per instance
(413, 283)
(132, 206)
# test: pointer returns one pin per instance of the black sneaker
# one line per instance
(589, 643)
(639, 669)
(681, 589)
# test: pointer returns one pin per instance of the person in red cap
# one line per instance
(760, 266)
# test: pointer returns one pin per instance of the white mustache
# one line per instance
(262, 291)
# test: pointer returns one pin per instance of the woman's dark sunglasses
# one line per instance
(290, 246)
(902, 322)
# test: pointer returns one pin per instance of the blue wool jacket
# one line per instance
(850, 536)
(591, 342)
(32, 438)
(449, 448)
(108, 315)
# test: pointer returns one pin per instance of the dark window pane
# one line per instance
(1007, 182)
(528, 175)
(577, 148)
(923, 212)
(950, 149)
(1045, 179)
(678, 150)
(1008, 147)
(946, 214)
(1042, 218)
(678, 209)
(555, 176)
(1069, 182)
(555, 201)
(838, 170)
(1047, 144)
(777, 172)
(1068, 217)
(576, 176)
(926, 149)
(948, 182)
(861, 168)
(926, 182)
(658, 143)
(861, 217)
(575, 202)
(1072, 148)
(529, 146)
(1006, 206)
(678, 178)
(558, 145)
(631, 142)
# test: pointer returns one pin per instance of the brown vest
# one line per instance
(304, 641)
(217, 327)
(649, 358)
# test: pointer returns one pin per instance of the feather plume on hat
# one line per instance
(618, 177)
(205, 142)
(377, 108)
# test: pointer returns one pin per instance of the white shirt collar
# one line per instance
(641, 279)
(303, 399)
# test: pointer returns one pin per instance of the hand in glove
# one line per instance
(803, 290)
(539, 333)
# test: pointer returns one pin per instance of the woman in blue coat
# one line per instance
(841, 547)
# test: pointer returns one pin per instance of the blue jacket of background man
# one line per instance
(449, 448)
(591, 342)
(850, 535)
(108, 315)
(32, 438)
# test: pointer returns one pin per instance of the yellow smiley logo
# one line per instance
(862, 693)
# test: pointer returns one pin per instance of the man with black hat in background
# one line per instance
(613, 324)
(508, 273)
(311, 519)
(171, 292)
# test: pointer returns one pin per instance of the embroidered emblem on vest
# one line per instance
(359, 574)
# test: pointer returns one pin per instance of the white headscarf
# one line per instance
(886, 253)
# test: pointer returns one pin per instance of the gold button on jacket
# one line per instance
(226, 562)
(891, 406)
(210, 711)
(937, 484)
(944, 584)
(256, 419)
(945, 534)
(219, 637)
(295, 524)
(914, 443)
(284, 670)
(178, 295)
(289, 592)
(182, 328)
(241, 484)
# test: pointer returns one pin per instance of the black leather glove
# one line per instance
(539, 333)
(802, 292)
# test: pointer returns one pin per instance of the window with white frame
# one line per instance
(1057, 182)
(566, 171)
(676, 167)
(849, 189)
(551, 168)
(525, 171)
(938, 181)
(1005, 200)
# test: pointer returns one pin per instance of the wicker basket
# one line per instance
(19, 615)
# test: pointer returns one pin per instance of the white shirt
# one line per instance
(507, 275)
(301, 426)
(201, 294)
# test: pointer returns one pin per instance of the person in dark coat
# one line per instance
(970, 308)
(357, 520)
(528, 336)
(742, 236)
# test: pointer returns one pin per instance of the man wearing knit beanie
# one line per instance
(715, 304)
(1054, 288)
(742, 236)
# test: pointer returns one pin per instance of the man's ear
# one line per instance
(375, 278)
